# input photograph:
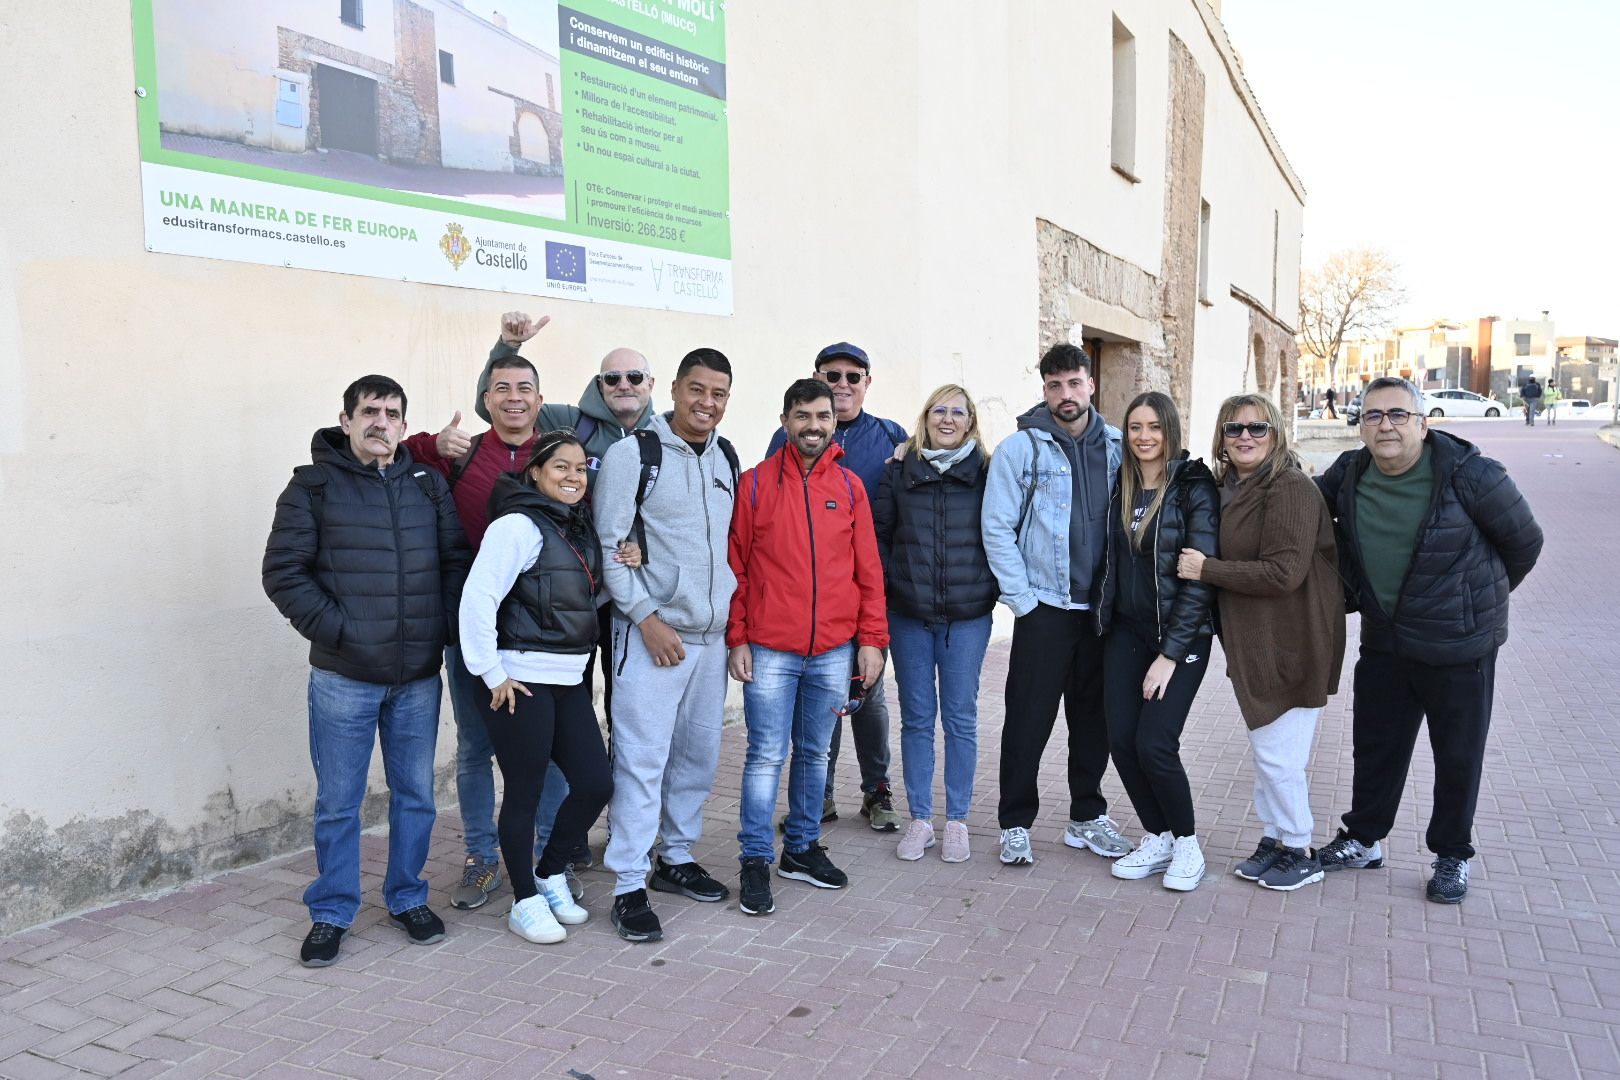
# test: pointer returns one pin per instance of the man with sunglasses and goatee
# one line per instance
(616, 402)
(1432, 537)
(868, 443)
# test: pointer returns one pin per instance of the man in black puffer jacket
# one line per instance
(1432, 537)
(366, 558)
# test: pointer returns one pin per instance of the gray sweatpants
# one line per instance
(666, 746)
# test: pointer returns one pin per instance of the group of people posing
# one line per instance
(519, 554)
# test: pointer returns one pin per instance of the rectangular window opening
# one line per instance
(447, 68)
(1122, 139)
(1203, 252)
(352, 13)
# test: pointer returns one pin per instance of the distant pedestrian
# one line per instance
(1432, 537)
(1550, 397)
(1531, 395)
(366, 558)
(1328, 411)
(1282, 623)
(940, 592)
(1158, 630)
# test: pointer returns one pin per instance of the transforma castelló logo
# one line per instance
(455, 245)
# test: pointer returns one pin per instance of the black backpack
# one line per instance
(652, 460)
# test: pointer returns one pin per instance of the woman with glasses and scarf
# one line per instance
(940, 594)
(528, 627)
(1158, 634)
(1282, 623)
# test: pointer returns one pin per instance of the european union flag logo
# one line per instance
(565, 262)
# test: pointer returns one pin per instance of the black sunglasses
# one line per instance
(611, 378)
(857, 696)
(834, 377)
(1257, 430)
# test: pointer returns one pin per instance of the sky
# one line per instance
(1477, 142)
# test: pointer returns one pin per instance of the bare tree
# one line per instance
(1354, 292)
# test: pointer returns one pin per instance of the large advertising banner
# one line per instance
(575, 150)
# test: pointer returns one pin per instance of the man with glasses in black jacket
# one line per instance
(1432, 537)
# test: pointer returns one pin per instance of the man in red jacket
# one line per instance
(809, 593)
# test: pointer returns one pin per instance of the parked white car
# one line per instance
(1460, 403)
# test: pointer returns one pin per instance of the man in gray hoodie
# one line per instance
(1045, 522)
(669, 649)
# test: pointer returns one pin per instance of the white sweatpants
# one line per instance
(1282, 797)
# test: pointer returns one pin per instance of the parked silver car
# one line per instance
(1460, 403)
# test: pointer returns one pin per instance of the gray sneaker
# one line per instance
(1251, 868)
(1015, 850)
(1100, 835)
(478, 880)
(1293, 868)
(1345, 851)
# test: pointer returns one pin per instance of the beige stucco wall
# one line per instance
(152, 406)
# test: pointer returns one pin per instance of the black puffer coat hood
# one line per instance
(1190, 517)
(367, 565)
(927, 522)
(1477, 542)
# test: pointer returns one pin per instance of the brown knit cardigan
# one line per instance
(1281, 604)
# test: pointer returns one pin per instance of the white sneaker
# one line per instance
(1152, 856)
(1186, 865)
(918, 838)
(560, 899)
(1015, 849)
(532, 920)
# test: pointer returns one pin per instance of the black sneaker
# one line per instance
(421, 924)
(812, 865)
(321, 945)
(755, 887)
(1292, 869)
(689, 879)
(1450, 882)
(634, 919)
(1251, 868)
(582, 858)
(1346, 852)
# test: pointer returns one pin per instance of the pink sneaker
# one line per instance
(955, 848)
(919, 838)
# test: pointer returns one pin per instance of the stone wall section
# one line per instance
(550, 119)
(407, 92)
(1183, 195)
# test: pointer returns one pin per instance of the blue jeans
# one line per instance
(345, 717)
(936, 670)
(790, 704)
(475, 769)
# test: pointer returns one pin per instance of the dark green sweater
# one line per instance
(1389, 514)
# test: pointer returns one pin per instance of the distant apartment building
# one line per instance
(1586, 367)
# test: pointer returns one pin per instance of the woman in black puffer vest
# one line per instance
(528, 626)
(1158, 630)
(940, 594)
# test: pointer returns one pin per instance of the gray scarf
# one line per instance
(943, 460)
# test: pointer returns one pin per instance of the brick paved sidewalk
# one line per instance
(934, 970)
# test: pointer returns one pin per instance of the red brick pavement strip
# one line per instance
(933, 970)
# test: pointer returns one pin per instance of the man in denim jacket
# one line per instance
(1045, 524)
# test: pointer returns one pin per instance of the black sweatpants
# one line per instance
(1144, 736)
(556, 724)
(1055, 654)
(1392, 696)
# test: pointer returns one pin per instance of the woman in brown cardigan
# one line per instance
(1282, 623)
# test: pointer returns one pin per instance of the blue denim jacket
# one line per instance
(1031, 561)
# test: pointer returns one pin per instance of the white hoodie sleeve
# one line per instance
(511, 545)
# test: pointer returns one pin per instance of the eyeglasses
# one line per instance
(611, 378)
(857, 697)
(832, 378)
(1374, 417)
(1257, 430)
